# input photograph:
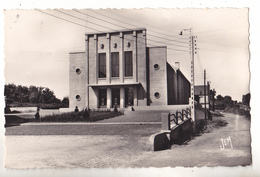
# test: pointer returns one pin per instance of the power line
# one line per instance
(95, 29)
(221, 44)
(168, 39)
(150, 25)
(167, 48)
(108, 27)
(216, 30)
(167, 43)
(216, 35)
(124, 26)
(66, 20)
(223, 50)
(99, 19)
(83, 19)
(129, 23)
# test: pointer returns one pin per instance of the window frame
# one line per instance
(103, 66)
(128, 65)
(114, 64)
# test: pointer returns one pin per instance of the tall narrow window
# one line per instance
(115, 64)
(102, 65)
(128, 64)
(102, 98)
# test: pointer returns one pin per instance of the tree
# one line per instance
(32, 94)
(34, 97)
(212, 94)
(65, 100)
(220, 98)
(227, 99)
(212, 98)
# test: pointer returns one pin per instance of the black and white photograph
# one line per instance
(99, 88)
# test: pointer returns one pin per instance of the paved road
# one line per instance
(106, 149)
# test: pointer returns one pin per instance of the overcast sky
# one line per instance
(37, 44)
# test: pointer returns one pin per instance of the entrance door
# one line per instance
(129, 96)
(116, 97)
(102, 98)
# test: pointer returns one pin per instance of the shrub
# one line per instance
(80, 116)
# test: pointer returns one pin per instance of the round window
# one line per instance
(157, 95)
(78, 97)
(156, 66)
(78, 71)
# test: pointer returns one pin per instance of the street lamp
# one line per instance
(192, 103)
(189, 29)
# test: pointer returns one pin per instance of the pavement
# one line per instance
(124, 142)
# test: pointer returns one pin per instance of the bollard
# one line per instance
(165, 118)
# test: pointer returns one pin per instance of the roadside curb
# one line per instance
(89, 123)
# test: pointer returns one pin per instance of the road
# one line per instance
(123, 145)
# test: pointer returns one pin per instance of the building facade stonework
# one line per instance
(118, 69)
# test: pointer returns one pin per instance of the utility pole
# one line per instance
(213, 99)
(192, 79)
(208, 88)
(192, 94)
(205, 100)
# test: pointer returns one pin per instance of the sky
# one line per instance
(38, 42)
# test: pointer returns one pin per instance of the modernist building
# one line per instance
(117, 68)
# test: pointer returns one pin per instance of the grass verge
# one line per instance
(90, 116)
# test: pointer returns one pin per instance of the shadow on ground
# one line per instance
(202, 126)
(14, 120)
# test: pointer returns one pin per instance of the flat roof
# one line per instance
(113, 84)
(76, 52)
(157, 47)
(117, 31)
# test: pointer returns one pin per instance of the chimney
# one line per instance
(177, 65)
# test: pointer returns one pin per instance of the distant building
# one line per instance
(117, 68)
(199, 92)
(246, 99)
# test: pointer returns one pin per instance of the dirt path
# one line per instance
(205, 150)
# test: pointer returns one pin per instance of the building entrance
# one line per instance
(116, 97)
(102, 98)
(129, 96)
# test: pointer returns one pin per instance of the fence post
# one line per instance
(165, 118)
(177, 117)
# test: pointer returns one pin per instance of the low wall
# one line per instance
(181, 133)
(24, 109)
(159, 108)
(177, 135)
